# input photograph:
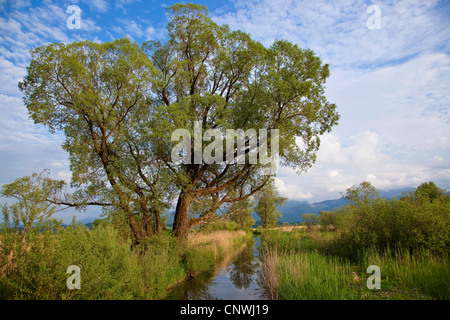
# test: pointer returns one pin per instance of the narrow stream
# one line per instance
(235, 281)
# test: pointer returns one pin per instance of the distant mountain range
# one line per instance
(293, 210)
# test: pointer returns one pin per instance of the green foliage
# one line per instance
(161, 258)
(34, 264)
(327, 219)
(302, 271)
(119, 102)
(233, 226)
(315, 277)
(108, 269)
(220, 224)
(305, 265)
(310, 219)
(199, 260)
(427, 273)
(407, 238)
(412, 223)
(98, 95)
(37, 262)
(267, 203)
(429, 191)
(363, 193)
(33, 195)
(240, 212)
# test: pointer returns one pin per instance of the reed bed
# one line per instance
(301, 266)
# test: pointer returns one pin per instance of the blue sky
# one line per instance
(391, 85)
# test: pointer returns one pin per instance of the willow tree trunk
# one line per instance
(181, 219)
(158, 226)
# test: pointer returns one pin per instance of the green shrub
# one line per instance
(409, 223)
(109, 270)
(327, 218)
(40, 258)
(232, 226)
(31, 265)
(34, 264)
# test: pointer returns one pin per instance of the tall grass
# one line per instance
(269, 276)
(33, 264)
(216, 241)
(161, 266)
(423, 272)
(301, 265)
(304, 275)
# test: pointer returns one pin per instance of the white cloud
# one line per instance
(123, 3)
(101, 6)
(65, 175)
(129, 28)
(360, 160)
(337, 30)
(133, 29)
(393, 130)
(10, 75)
(406, 104)
(290, 191)
(24, 146)
(154, 33)
(89, 25)
(20, 4)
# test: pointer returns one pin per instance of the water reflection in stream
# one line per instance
(235, 281)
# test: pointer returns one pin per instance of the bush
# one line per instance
(410, 223)
(36, 264)
(327, 219)
(33, 264)
(30, 265)
(309, 219)
(108, 269)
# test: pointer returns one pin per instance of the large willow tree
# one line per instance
(119, 103)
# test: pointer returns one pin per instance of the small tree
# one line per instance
(429, 190)
(32, 194)
(267, 205)
(241, 213)
(327, 219)
(365, 193)
(310, 219)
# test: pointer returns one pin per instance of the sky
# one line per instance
(390, 80)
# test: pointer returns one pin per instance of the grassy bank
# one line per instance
(306, 264)
(33, 265)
